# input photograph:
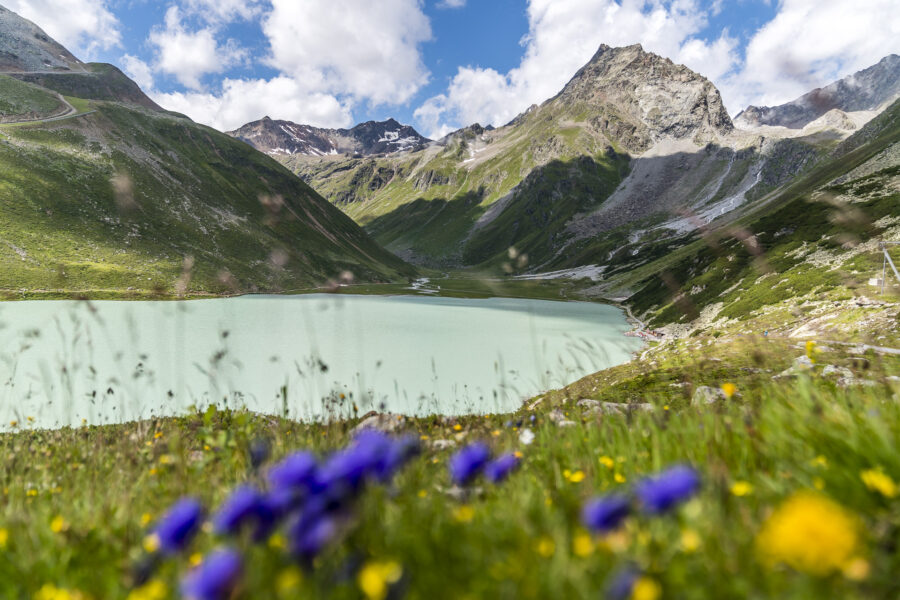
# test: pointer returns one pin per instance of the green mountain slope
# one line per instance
(103, 193)
(631, 143)
(117, 198)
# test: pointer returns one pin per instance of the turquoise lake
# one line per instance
(309, 357)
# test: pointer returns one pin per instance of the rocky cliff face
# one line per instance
(24, 47)
(639, 98)
(869, 89)
(286, 138)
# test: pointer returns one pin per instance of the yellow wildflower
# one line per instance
(495, 433)
(50, 592)
(574, 476)
(819, 483)
(166, 459)
(690, 540)
(607, 462)
(288, 581)
(13, 423)
(58, 524)
(32, 492)
(464, 513)
(820, 461)
(277, 541)
(4, 538)
(422, 493)
(878, 481)
(145, 519)
(457, 427)
(195, 559)
(741, 488)
(582, 544)
(545, 547)
(375, 578)
(645, 589)
(619, 478)
(151, 543)
(856, 569)
(810, 533)
(152, 590)
(729, 389)
(811, 350)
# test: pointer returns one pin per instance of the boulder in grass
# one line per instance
(831, 370)
(705, 395)
(385, 422)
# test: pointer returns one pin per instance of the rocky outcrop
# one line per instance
(24, 48)
(286, 138)
(869, 89)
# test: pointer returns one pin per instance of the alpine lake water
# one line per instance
(308, 357)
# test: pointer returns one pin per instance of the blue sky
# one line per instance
(442, 64)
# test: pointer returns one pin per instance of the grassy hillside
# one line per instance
(19, 100)
(126, 199)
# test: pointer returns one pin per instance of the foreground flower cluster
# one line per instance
(309, 500)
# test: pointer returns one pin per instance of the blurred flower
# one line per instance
(646, 588)
(295, 471)
(605, 513)
(259, 451)
(526, 436)
(309, 535)
(58, 524)
(466, 464)
(607, 462)
(176, 528)
(50, 592)
(464, 513)
(145, 519)
(573, 477)
(741, 488)
(4, 538)
(668, 489)
(152, 590)
(877, 481)
(243, 506)
(811, 350)
(857, 569)
(621, 584)
(690, 540)
(499, 469)
(546, 546)
(376, 577)
(582, 544)
(729, 389)
(619, 478)
(215, 578)
(810, 533)
(457, 427)
(288, 581)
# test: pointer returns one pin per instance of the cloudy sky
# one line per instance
(442, 64)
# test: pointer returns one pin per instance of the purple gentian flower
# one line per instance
(668, 489)
(499, 469)
(296, 471)
(605, 513)
(400, 452)
(259, 452)
(621, 584)
(466, 464)
(176, 528)
(309, 535)
(245, 505)
(215, 578)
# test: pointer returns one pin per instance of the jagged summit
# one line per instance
(866, 90)
(277, 137)
(25, 48)
(639, 98)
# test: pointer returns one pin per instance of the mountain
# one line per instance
(633, 143)
(366, 139)
(103, 193)
(25, 47)
(866, 90)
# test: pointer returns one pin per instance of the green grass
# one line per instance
(19, 100)
(515, 540)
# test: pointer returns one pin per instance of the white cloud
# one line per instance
(138, 70)
(223, 11)
(451, 3)
(189, 55)
(362, 49)
(811, 43)
(563, 36)
(83, 26)
(243, 100)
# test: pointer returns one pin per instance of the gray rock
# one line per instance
(705, 395)
(442, 444)
(556, 416)
(803, 362)
(588, 404)
(565, 423)
(846, 382)
(385, 422)
(831, 370)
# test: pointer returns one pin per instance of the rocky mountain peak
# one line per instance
(866, 90)
(25, 48)
(640, 98)
(276, 137)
